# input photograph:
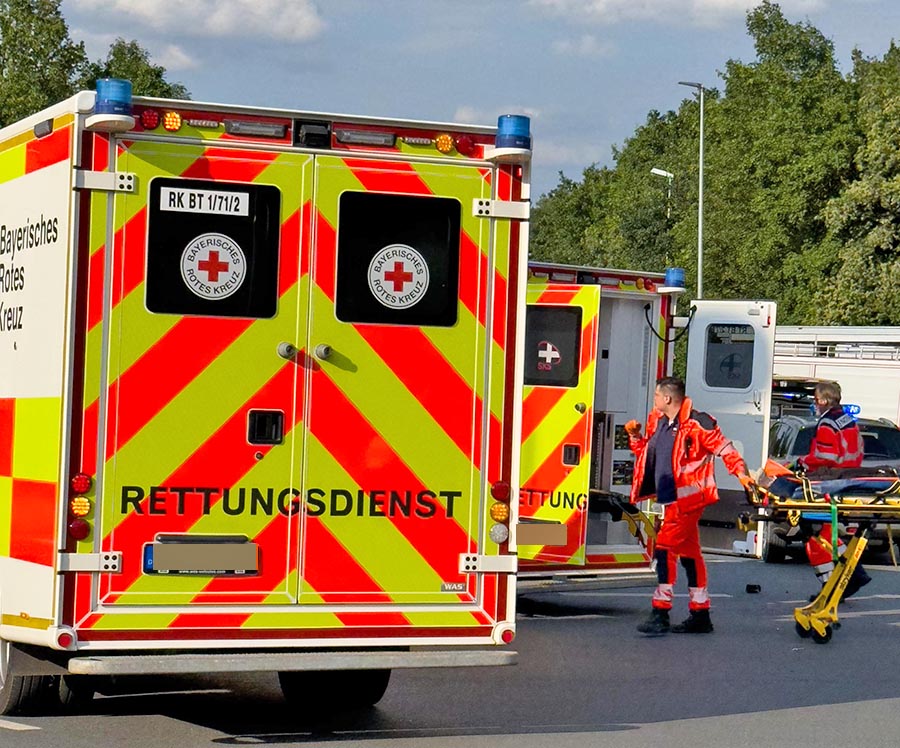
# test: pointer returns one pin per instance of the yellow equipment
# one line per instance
(862, 496)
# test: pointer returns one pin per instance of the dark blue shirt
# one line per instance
(663, 444)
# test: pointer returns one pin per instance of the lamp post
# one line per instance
(699, 87)
(669, 177)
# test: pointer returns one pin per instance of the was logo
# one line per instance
(548, 355)
(213, 266)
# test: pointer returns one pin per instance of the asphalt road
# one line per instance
(585, 678)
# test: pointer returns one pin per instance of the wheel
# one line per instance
(20, 694)
(822, 639)
(334, 690)
(773, 546)
(802, 632)
(75, 692)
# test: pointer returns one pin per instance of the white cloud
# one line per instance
(584, 46)
(294, 20)
(173, 57)
(702, 12)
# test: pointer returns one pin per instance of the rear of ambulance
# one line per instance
(297, 417)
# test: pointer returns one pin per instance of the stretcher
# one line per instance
(863, 496)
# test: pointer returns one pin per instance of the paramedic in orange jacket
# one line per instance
(836, 444)
(675, 463)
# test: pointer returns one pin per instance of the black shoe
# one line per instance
(657, 624)
(859, 579)
(696, 623)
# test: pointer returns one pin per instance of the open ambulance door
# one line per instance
(560, 361)
(731, 346)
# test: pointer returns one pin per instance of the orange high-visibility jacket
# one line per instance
(698, 441)
(837, 442)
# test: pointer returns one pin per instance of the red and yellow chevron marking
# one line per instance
(178, 389)
(551, 490)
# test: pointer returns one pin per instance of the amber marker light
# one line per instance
(444, 143)
(499, 512)
(80, 506)
(172, 121)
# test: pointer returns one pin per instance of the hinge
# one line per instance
(472, 563)
(519, 210)
(105, 181)
(109, 562)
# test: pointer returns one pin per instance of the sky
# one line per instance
(587, 72)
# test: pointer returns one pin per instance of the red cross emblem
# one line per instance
(398, 276)
(212, 266)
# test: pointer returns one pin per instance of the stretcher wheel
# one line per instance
(820, 638)
(802, 632)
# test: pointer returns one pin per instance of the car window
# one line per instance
(803, 441)
(881, 442)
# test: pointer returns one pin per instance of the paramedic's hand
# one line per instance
(746, 481)
(633, 428)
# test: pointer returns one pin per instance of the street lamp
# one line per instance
(669, 177)
(699, 87)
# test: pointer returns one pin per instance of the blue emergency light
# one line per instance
(674, 278)
(113, 96)
(513, 131)
(852, 410)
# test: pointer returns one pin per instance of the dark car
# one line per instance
(790, 437)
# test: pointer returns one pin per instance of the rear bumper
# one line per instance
(247, 662)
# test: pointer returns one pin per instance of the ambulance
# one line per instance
(259, 395)
(597, 340)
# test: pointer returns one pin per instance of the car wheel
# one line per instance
(774, 548)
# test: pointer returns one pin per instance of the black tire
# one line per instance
(21, 694)
(819, 638)
(75, 692)
(318, 691)
(802, 632)
(774, 549)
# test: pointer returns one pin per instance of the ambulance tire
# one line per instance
(21, 694)
(333, 691)
(76, 692)
(774, 549)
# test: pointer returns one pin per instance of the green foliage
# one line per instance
(801, 184)
(39, 64)
(131, 61)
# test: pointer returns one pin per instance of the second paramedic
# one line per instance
(837, 443)
(675, 464)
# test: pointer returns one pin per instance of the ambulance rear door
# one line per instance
(729, 375)
(557, 417)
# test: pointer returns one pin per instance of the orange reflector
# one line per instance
(172, 121)
(499, 512)
(444, 143)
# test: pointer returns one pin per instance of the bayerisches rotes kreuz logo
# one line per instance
(398, 276)
(213, 266)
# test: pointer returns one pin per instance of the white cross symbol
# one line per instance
(549, 354)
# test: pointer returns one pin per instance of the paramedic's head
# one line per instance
(668, 396)
(828, 395)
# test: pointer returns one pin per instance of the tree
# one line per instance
(131, 61)
(864, 220)
(39, 64)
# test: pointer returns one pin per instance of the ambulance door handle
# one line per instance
(580, 407)
(757, 399)
(287, 351)
(322, 351)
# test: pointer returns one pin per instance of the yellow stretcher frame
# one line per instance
(819, 618)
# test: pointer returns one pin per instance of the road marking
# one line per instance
(588, 593)
(5, 724)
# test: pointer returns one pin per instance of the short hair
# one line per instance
(672, 386)
(830, 392)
